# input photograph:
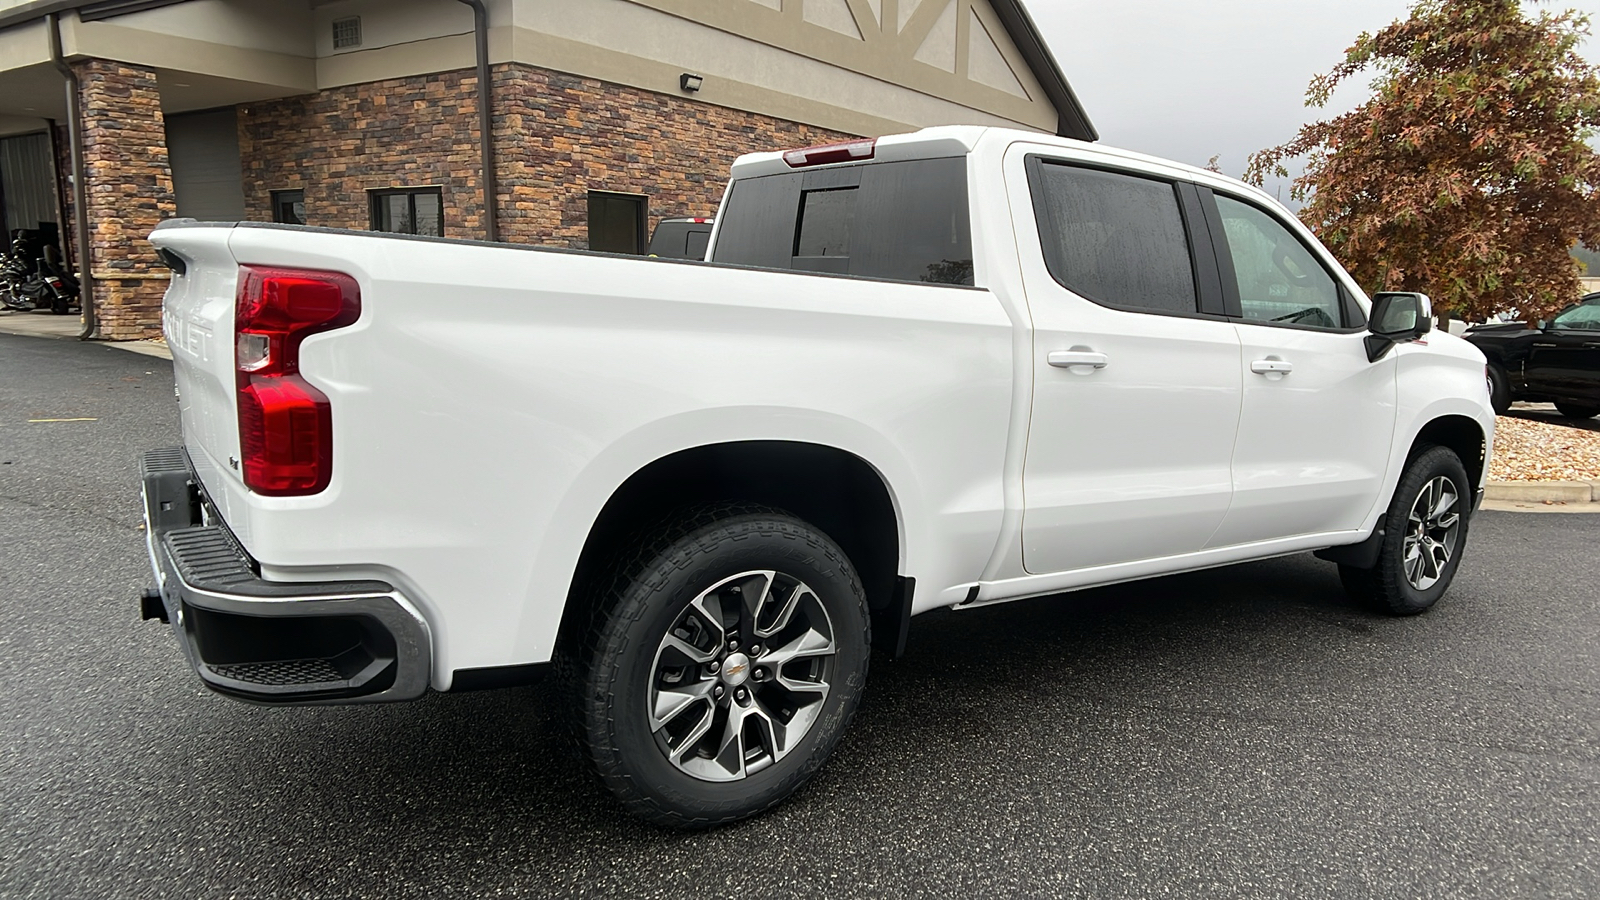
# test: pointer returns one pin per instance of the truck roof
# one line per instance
(960, 140)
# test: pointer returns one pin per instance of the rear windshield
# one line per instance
(904, 221)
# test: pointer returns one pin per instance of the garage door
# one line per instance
(27, 181)
(204, 150)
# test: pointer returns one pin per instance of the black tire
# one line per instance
(1499, 390)
(1393, 586)
(1577, 410)
(622, 663)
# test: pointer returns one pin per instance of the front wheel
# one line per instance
(1499, 390)
(723, 666)
(1577, 410)
(1425, 532)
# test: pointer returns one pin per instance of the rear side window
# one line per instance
(1116, 239)
(903, 221)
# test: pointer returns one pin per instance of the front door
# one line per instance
(1318, 418)
(1564, 361)
(1136, 390)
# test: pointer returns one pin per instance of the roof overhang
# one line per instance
(89, 10)
(1074, 122)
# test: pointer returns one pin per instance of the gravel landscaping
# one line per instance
(1529, 450)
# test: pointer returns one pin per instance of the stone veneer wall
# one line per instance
(130, 192)
(559, 136)
(556, 137)
(337, 144)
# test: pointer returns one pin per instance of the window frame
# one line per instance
(1209, 297)
(641, 226)
(375, 198)
(277, 204)
(1352, 319)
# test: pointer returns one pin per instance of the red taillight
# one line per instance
(285, 424)
(831, 153)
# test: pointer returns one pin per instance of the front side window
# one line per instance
(409, 211)
(1279, 280)
(1116, 239)
(1583, 317)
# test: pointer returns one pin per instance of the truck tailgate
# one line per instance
(197, 317)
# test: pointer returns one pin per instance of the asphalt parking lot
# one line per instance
(1242, 732)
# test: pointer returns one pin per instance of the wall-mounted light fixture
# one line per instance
(690, 82)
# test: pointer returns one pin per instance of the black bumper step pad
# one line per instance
(208, 559)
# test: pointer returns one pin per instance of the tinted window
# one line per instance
(905, 221)
(915, 225)
(758, 222)
(695, 246)
(1279, 279)
(1115, 239)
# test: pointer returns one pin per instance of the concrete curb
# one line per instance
(1543, 491)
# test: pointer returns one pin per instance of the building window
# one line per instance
(616, 222)
(289, 207)
(409, 211)
(346, 32)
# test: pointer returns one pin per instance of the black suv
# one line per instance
(1557, 362)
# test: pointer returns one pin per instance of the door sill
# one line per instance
(1006, 590)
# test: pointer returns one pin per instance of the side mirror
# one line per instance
(1397, 317)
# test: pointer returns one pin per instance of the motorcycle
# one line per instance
(32, 277)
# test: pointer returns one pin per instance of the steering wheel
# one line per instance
(1311, 315)
(1284, 263)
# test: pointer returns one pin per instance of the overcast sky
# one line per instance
(1184, 79)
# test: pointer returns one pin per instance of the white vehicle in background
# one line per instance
(945, 369)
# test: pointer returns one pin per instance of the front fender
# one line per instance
(1442, 379)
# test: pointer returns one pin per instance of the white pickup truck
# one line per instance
(946, 369)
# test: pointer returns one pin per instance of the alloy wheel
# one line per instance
(1431, 532)
(740, 677)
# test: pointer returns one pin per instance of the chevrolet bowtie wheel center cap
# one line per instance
(735, 669)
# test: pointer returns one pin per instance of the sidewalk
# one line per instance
(66, 328)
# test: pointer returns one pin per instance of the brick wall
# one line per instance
(559, 136)
(130, 192)
(556, 137)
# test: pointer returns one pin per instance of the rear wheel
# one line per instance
(1577, 410)
(1425, 533)
(724, 663)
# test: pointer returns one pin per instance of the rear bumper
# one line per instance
(281, 643)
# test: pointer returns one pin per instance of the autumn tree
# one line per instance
(1467, 174)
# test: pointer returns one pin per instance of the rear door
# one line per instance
(1136, 370)
(1318, 418)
